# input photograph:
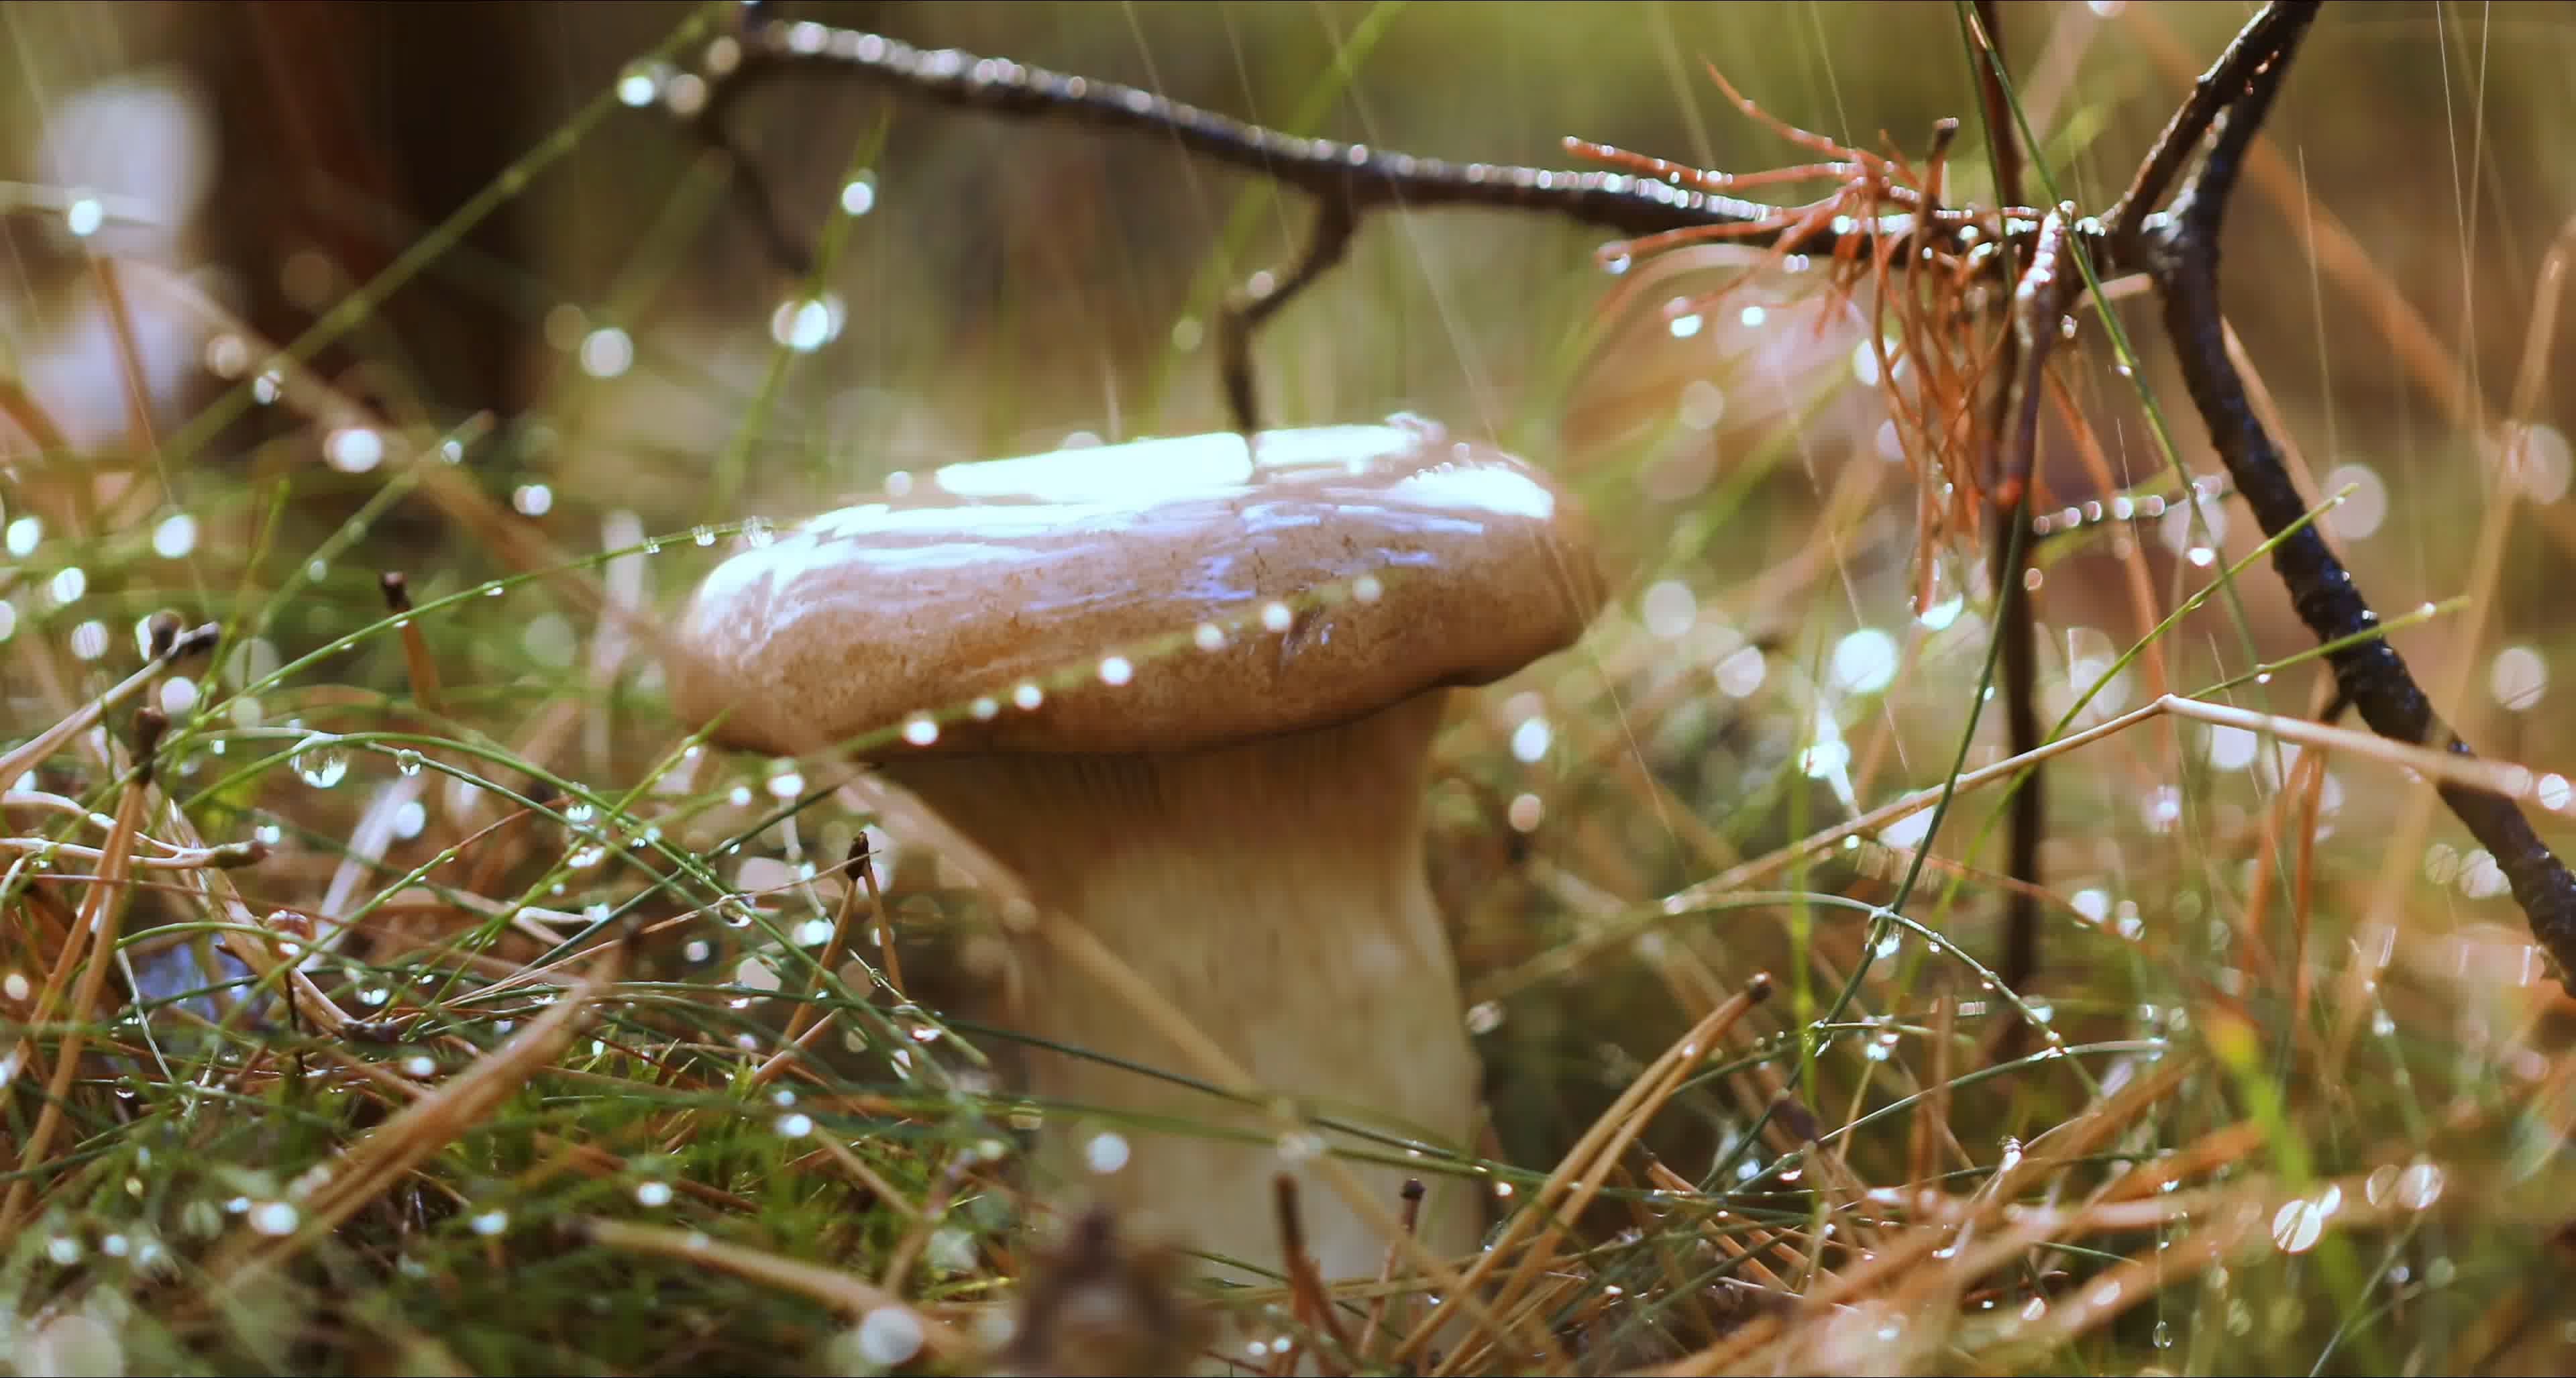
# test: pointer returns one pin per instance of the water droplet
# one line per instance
(809, 324)
(2297, 1226)
(890, 1336)
(353, 449)
(1702, 404)
(921, 729)
(1669, 609)
(323, 766)
(2362, 510)
(175, 536)
(407, 761)
(858, 195)
(1864, 364)
(1864, 662)
(1299, 1146)
(272, 1218)
(639, 85)
(1752, 317)
(2518, 677)
(1105, 1152)
(533, 499)
(2537, 459)
(1483, 1017)
(84, 215)
(1530, 740)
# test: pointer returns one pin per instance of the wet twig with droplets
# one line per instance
(2177, 248)
(1346, 180)
(2182, 246)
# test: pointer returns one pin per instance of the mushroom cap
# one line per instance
(1161, 595)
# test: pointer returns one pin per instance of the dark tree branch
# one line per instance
(2370, 674)
(1335, 223)
(2023, 365)
(1357, 176)
(2270, 34)
(1346, 180)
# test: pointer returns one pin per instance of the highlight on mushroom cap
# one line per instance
(1156, 595)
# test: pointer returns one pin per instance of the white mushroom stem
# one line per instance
(1274, 892)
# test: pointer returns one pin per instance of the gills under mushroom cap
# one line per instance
(1161, 595)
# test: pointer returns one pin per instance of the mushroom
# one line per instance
(1185, 689)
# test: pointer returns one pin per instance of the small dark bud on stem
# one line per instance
(149, 724)
(184, 644)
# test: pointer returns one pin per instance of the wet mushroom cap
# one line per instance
(1161, 595)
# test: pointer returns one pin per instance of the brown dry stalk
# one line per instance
(419, 666)
(809, 1016)
(1569, 1190)
(2500, 777)
(97, 922)
(369, 1167)
(2050, 1152)
(2242, 1217)
(1313, 1306)
(1409, 1218)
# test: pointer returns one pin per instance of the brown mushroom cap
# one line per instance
(1159, 595)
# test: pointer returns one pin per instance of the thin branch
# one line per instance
(2271, 33)
(2043, 290)
(1346, 180)
(2368, 672)
(1336, 222)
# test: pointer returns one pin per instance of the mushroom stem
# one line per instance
(1273, 890)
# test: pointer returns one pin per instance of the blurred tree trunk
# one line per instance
(408, 109)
